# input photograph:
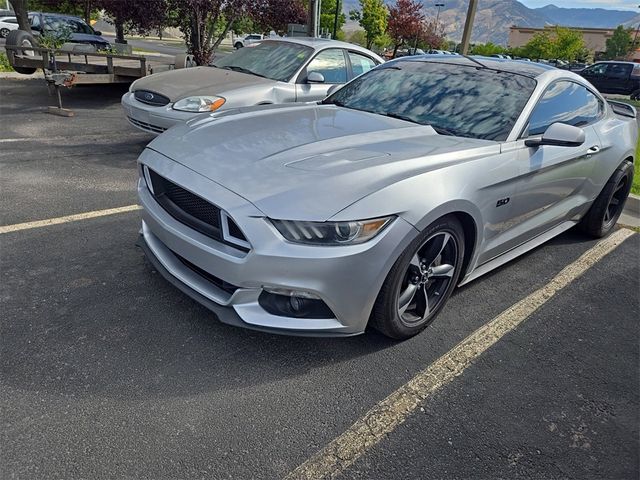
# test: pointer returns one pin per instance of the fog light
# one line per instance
(293, 303)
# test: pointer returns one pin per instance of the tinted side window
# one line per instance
(34, 20)
(564, 102)
(360, 64)
(619, 70)
(596, 70)
(331, 64)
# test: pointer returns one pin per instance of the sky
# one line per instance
(610, 4)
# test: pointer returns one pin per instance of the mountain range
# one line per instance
(494, 17)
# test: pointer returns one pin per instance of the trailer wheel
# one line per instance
(184, 60)
(20, 38)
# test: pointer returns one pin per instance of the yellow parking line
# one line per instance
(384, 417)
(66, 219)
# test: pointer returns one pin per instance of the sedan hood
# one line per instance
(177, 84)
(308, 162)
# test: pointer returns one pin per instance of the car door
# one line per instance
(554, 184)
(332, 65)
(617, 77)
(595, 74)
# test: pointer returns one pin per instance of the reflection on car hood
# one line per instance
(177, 84)
(310, 161)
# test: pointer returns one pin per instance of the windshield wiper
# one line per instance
(399, 117)
(442, 131)
(241, 70)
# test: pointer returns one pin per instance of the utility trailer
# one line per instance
(79, 64)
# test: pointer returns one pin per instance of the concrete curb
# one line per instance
(633, 205)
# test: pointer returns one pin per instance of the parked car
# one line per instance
(271, 71)
(81, 32)
(372, 205)
(618, 77)
(6, 25)
(248, 40)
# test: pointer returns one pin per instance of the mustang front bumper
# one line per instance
(347, 279)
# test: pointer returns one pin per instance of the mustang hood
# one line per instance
(177, 84)
(308, 162)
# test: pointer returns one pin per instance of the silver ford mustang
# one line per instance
(372, 205)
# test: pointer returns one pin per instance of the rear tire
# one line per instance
(20, 38)
(635, 95)
(421, 280)
(4, 32)
(608, 206)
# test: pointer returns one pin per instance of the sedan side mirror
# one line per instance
(560, 135)
(97, 32)
(315, 77)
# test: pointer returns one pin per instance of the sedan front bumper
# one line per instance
(347, 279)
(152, 119)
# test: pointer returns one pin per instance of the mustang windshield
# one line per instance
(269, 59)
(460, 100)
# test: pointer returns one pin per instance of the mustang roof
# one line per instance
(520, 67)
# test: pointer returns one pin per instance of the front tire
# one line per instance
(421, 280)
(4, 32)
(608, 206)
(238, 46)
(635, 95)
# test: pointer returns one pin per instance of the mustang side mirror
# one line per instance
(560, 135)
(315, 77)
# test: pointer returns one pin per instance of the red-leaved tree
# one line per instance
(139, 16)
(276, 14)
(405, 22)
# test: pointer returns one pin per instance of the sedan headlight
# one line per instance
(199, 104)
(331, 233)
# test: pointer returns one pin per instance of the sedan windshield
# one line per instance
(454, 99)
(274, 60)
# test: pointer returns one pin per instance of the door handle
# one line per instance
(592, 150)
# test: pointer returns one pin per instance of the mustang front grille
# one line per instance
(194, 211)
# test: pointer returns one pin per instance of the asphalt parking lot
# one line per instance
(108, 371)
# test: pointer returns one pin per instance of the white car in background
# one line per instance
(6, 25)
(248, 40)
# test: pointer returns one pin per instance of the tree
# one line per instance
(405, 22)
(20, 8)
(620, 44)
(276, 14)
(328, 15)
(141, 16)
(487, 49)
(372, 16)
(431, 34)
(556, 43)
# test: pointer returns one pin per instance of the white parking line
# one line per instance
(66, 219)
(387, 415)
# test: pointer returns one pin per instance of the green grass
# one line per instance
(4, 63)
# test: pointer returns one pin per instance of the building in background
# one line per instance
(595, 39)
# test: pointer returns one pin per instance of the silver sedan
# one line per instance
(269, 72)
(370, 207)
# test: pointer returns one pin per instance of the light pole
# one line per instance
(438, 4)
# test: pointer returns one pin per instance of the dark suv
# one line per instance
(622, 78)
(42, 23)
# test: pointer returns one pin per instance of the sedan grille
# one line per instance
(146, 126)
(151, 98)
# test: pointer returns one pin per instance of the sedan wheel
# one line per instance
(421, 280)
(4, 32)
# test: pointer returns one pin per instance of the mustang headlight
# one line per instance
(331, 233)
(199, 104)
